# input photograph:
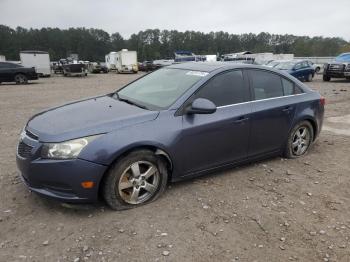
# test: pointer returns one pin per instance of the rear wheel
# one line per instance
(21, 79)
(299, 140)
(326, 78)
(317, 70)
(137, 179)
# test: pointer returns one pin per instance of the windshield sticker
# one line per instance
(196, 73)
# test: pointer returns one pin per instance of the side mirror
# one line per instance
(201, 106)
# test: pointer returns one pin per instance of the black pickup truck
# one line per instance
(10, 72)
(339, 68)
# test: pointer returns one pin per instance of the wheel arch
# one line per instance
(313, 123)
(157, 150)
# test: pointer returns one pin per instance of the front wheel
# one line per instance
(137, 179)
(21, 79)
(299, 140)
(326, 78)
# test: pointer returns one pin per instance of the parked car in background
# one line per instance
(316, 67)
(146, 66)
(274, 63)
(97, 68)
(104, 68)
(178, 122)
(10, 72)
(300, 69)
(339, 68)
(166, 62)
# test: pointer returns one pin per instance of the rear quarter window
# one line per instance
(289, 88)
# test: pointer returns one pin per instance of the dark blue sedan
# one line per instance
(181, 121)
(301, 69)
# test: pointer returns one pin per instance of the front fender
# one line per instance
(160, 134)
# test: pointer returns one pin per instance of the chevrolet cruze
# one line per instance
(179, 122)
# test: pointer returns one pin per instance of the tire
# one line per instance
(317, 70)
(124, 186)
(298, 144)
(326, 78)
(309, 78)
(21, 79)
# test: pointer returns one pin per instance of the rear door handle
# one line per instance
(241, 119)
(287, 109)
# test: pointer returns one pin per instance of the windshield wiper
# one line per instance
(130, 102)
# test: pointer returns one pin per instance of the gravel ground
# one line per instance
(276, 210)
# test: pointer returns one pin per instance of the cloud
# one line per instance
(299, 17)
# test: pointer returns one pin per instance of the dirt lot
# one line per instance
(276, 210)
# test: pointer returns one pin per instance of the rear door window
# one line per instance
(225, 89)
(265, 84)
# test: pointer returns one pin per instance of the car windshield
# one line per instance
(285, 65)
(343, 58)
(160, 89)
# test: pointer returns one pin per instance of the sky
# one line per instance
(299, 17)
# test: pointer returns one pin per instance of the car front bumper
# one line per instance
(61, 179)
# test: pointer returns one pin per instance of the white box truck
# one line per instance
(111, 61)
(38, 59)
(126, 61)
(2, 58)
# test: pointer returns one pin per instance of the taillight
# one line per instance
(322, 101)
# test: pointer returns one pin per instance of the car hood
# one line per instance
(339, 63)
(87, 117)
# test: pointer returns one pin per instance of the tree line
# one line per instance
(93, 44)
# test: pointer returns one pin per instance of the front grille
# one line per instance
(24, 150)
(31, 135)
(336, 67)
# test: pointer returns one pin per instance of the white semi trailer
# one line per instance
(126, 61)
(38, 59)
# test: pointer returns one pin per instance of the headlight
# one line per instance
(66, 150)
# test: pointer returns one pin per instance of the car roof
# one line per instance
(212, 66)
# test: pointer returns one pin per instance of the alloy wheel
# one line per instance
(139, 182)
(301, 141)
(20, 79)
